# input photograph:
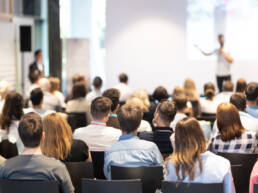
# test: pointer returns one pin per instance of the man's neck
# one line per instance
(32, 151)
(162, 124)
(251, 103)
(37, 106)
(131, 133)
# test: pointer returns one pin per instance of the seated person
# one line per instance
(163, 116)
(31, 164)
(209, 104)
(254, 177)
(59, 142)
(190, 162)
(37, 97)
(96, 92)
(125, 91)
(232, 136)
(241, 85)
(55, 85)
(252, 99)
(130, 151)
(98, 136)
(113, 94)
(227, 91)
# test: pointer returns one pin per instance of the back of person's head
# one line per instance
(167, 111)
(178, 90)
(58, 137)
(36, 96)
(34, 76)
(180, 102)
(37, 53)
(113, 94)
(44, 84)
(30, 130)
(79, 78)
(251, 91)
(241, 85)
(12, 110)
(239, 100)
(190, 143)
(129, 117)
(160, 93)
(79, 90)
(100, 108)
(209, 90)
(228, 86)
(4, 87)
(54, 84)
(143, 96)
(228, 122)
(189, 87)
(97, 82)
(123, 78)
(136, 102)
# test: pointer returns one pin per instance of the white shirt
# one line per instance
(209, 106)
(178, 117)
(92, 95)
(97, 136)
(60, 97)
(41, 112)
(50, 101)
(223, 66)
(223, 97)
(144, 126)
(125, 91)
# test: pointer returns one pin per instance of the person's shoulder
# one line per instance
(114, 130)
(146, 135)
(147, 144)
(216, 159)
(81, 130)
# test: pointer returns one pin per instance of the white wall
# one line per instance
(147, 40)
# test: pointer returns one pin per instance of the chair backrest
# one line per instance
(151, 176)
(77, 120)
(241, 166)
(255, 188)
(8, 149)
(79, 170)
(111, 186)
(98, 164)
(28, 186)
(177, 187)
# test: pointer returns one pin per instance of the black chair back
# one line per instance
(79, 170)
(195, 107)
(241, 166)
(8, 149)
(98, 164)
(151, 176)
(111, 186)
(172, 187)
(28, 186)
(255, 188)
(77, 120)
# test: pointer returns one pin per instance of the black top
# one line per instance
(79, 152)
(148, 116)
(160, 136)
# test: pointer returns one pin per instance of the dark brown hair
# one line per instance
(113, 94)
(209, 90)
(100, 107)
(241, 85)
(167, 111)
(239, 100)
(228, 122)
(78, 78)
(180, 102)
(251, 91)
(123, 78)
(12, 110)
(78, 90)
(97, 82)
(160, 93)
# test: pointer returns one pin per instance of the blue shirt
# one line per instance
(130, 151)
(216, 169)
(252, 110)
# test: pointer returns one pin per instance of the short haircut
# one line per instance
(123, 78)
(239, 100)
(113, 94)
(241, 85)
(228, 86)
(180, 102)
(209, 90)
(167, 111)
(37, 52)
(100, 107)
(160, 93)
(97, 82)
(34, 76)
(252, 91)
(129, 117)
(78, 78)
(78, 90)
(36, 96)
(220, 36)
(30, 130)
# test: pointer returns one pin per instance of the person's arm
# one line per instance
(107, 168)
(228, 182)
(204, 53)
(226, 56)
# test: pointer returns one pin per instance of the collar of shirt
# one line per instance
(98, 123)
(162, 129)
(127, 136)
(112, 115)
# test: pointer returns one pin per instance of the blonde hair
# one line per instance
(135, 102)
(58, 137)
(190, 89)
(178, 90)
(55, 84)
(143, 96)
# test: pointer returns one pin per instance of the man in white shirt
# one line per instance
(227, 91)
(97, 135)
(96, 92)
(125, 91)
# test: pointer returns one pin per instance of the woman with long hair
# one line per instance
(190, 162)
(209, 104)
(59, 142)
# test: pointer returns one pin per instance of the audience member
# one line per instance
(36, 98)
(9, 121)
(59, 142)
(79, 104)
(178, 90)
(241, 85)
(130, 151)
(162, 131)
(160, 93)
(190, 162)
(252, 99)
(254, 177)
(55, 90)
(34, 78)
(96, 92)
(50, 102)
(125, 91)
(227, 91)
(97, 135)
(4, 90)
(144, 125)
(232, 136)
(31, 164)
(113, 94)
(180, 102)
(209, 104)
